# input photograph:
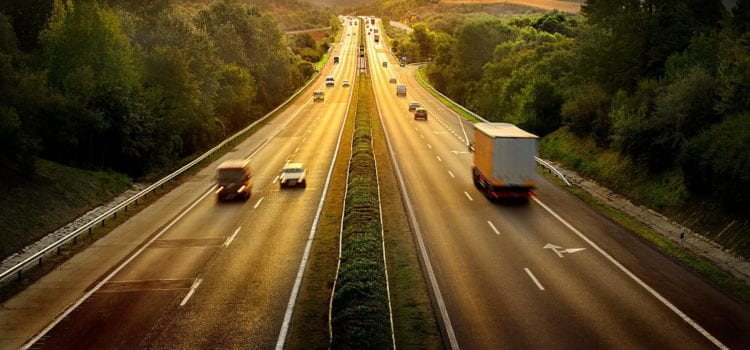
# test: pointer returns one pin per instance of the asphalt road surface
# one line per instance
(219, 275)
(551, 273)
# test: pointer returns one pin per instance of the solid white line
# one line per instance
(533, 278)
(231, 238)
(261, 198)
(192, 290)
(468, 196)
(438, 295)
(281, 340)
(635, 278)
(275, 179)
(106, 279)
(493, 227)
(451, 173)
(439, 159)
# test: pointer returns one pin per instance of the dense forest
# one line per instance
(665, 83)
(134, 86)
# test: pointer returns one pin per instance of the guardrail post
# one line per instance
(58, 250)
(75, 239)
(103, 222)
(115, 215)
(89, 230)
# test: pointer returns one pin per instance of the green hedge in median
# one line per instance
(360, 313)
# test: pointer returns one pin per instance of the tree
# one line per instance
(29, 18)
(91, 62)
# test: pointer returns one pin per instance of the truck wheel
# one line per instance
(303, 183)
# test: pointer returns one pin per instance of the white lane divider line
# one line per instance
(421, 136)
(635, 278)
(296, 150)
(533, 278)
(451, 174)
(429, 146)
(304, 139)
(439, 159)
(231, 238)
(275, 179)
(192, 290)
(492, 226)
(261, 198)
(468, 196)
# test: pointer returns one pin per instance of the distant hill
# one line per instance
(289, 14)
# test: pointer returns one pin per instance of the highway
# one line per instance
(220, 275)
(552, 273)
(189, 272)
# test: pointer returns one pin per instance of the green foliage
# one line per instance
(360, 312)
(539, 106)
(587, 112)
(717, 162)
(28, 18)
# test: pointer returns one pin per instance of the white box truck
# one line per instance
(504, 165)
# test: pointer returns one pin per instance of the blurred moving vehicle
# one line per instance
(345, 83)
(329, 81)
(504, 165)
(420, 113)
(385, 64)
(292, 175)
(319, 95)
(401, 90)
(392, 80)
(413, 105)
(234, 179)
(335, 59)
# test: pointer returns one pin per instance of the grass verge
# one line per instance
(309, 326)
(422, 79)
(414, 322)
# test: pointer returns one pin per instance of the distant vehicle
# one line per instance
(292, 175)
(345, 83)
(401, 90)
(329, 81)
(372, 21)
(375, 30)
(234, 179)
(504, 165)
(377, 38)
(392, 80)
(385, 64)
(335, 59)
(319, 95)
(402, 64)
(420, 113)
(413, 105)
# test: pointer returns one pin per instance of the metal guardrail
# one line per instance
(112, 213)
(540, 161)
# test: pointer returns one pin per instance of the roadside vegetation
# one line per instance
(360, 310)
(649, 100)
(103, 92)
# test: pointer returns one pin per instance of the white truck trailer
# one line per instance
(504, 165)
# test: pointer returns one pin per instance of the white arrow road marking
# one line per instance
(559, 250)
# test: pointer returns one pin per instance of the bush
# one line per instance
(588, 112)
(717, 162)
